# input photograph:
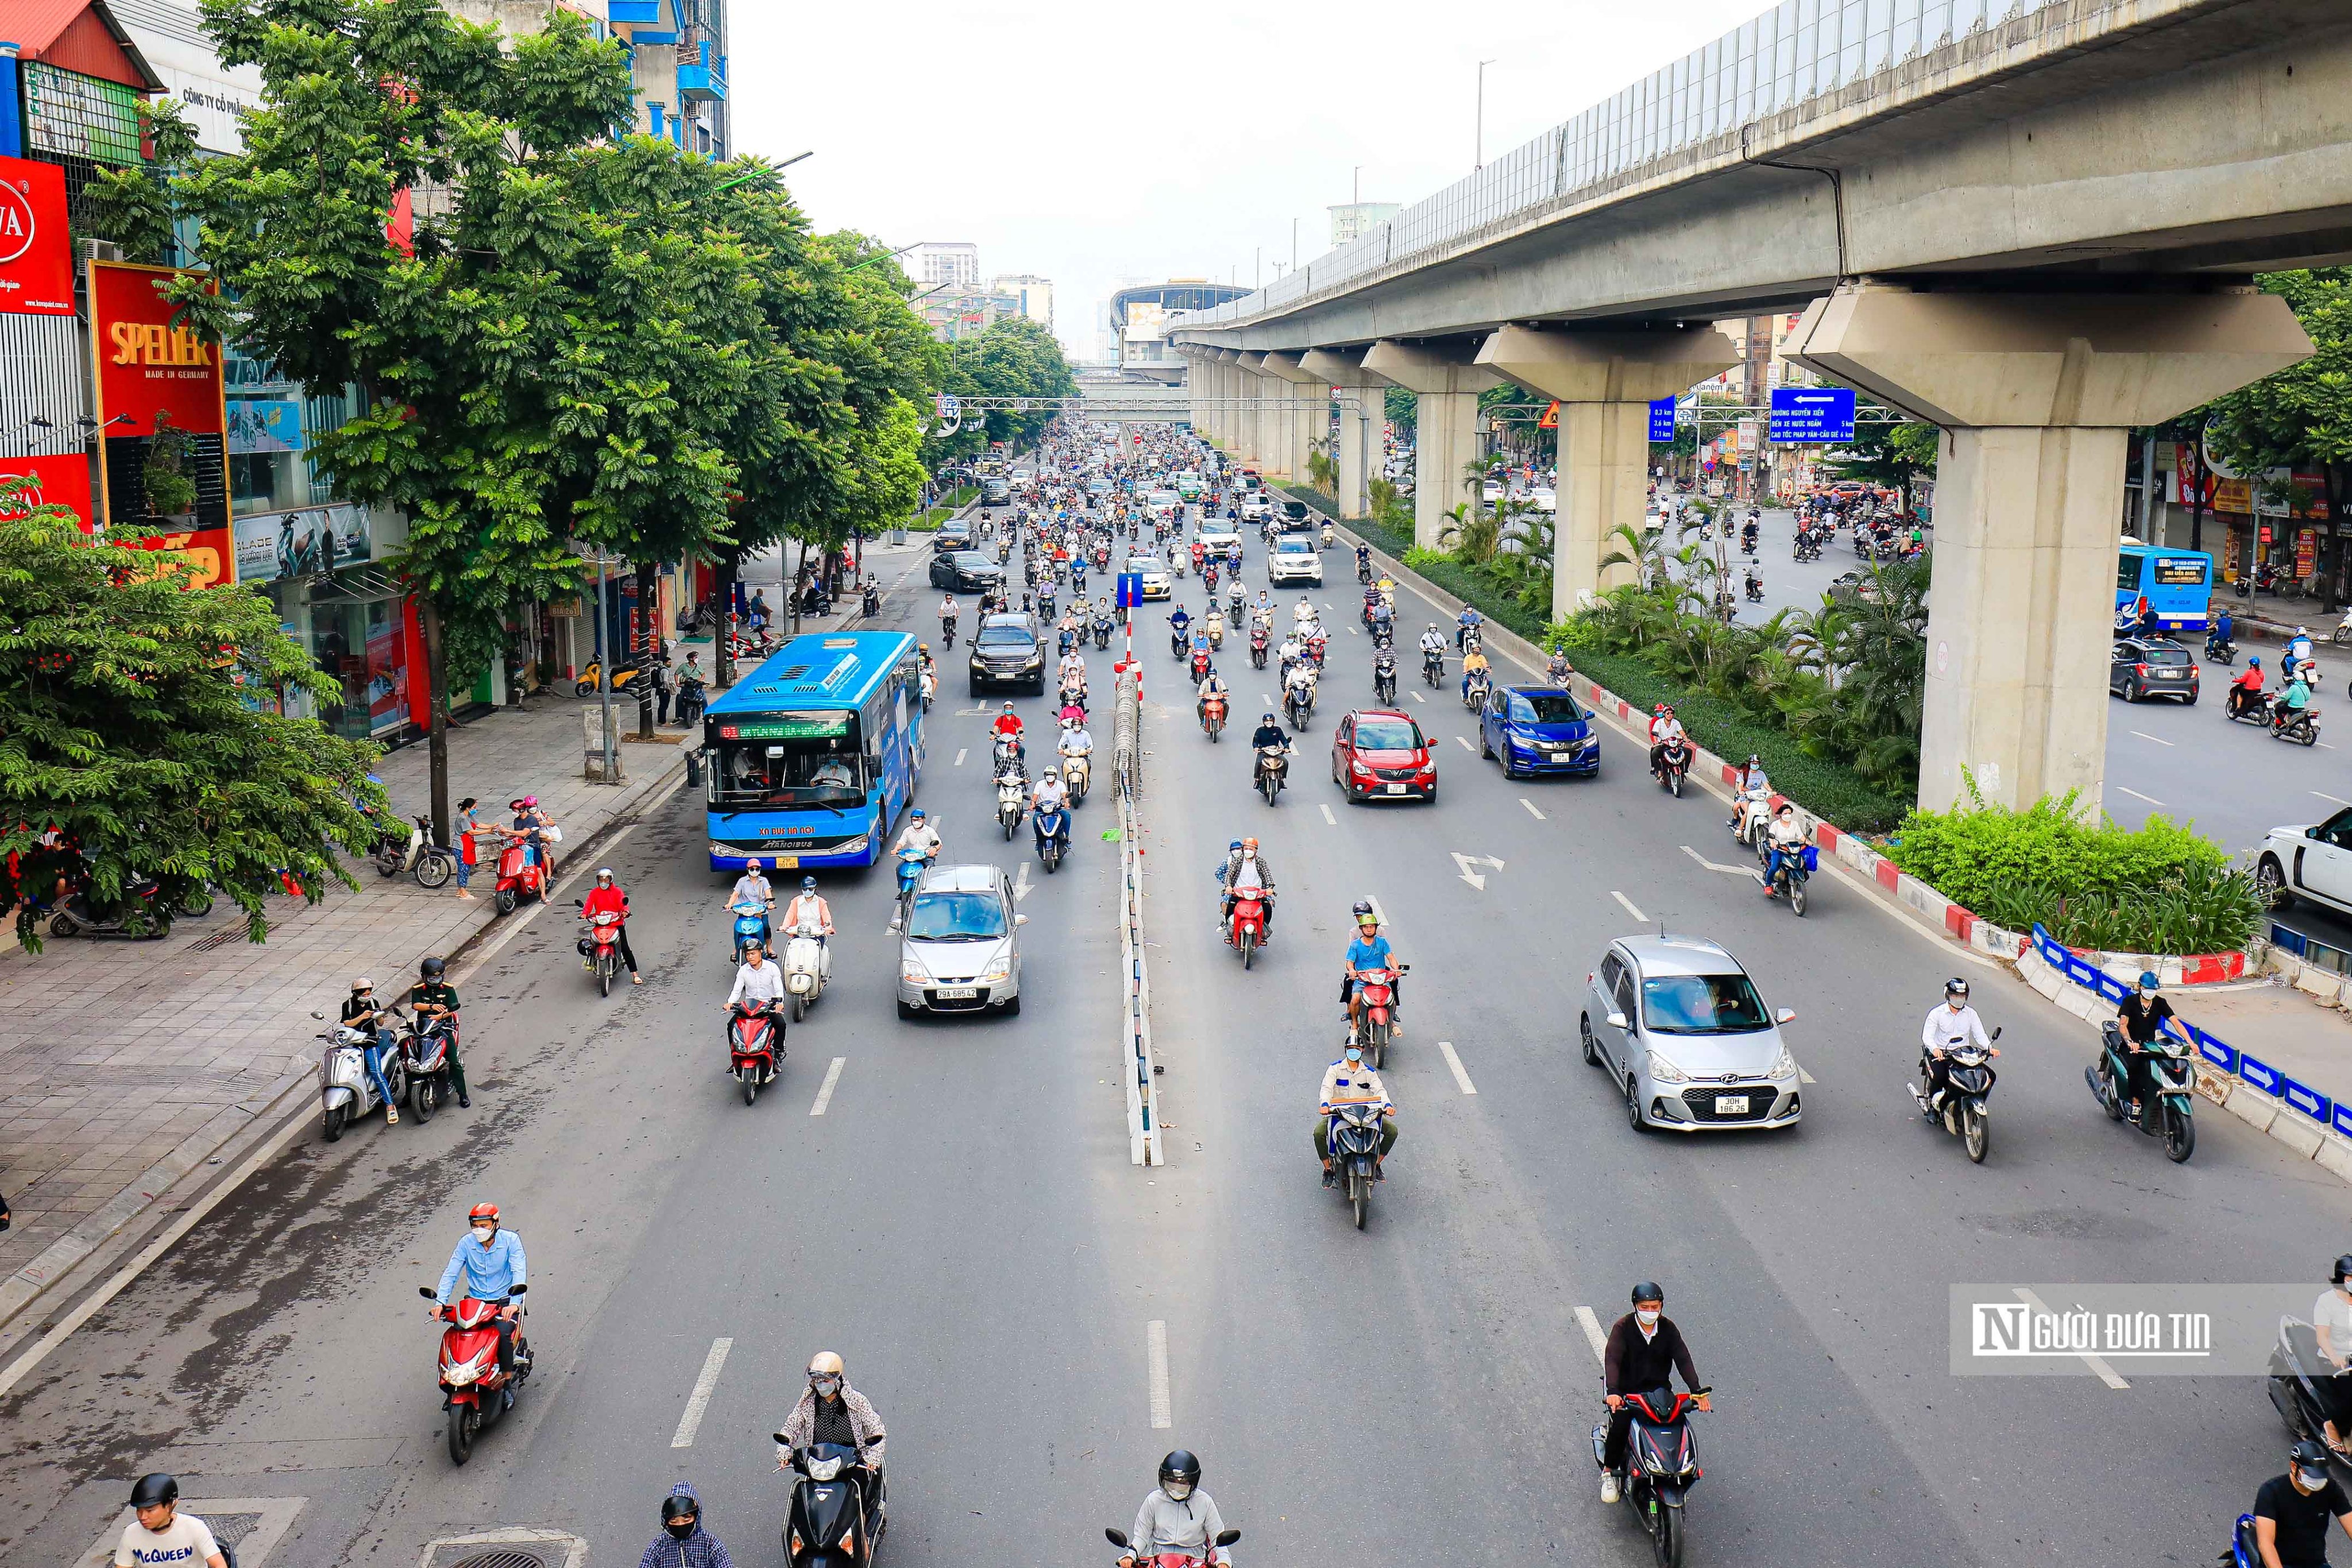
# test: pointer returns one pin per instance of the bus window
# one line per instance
(809, 761)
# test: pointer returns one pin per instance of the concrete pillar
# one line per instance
(2037, 394)
(1605, 382)
(1447, 382)
(1362, 422)
(1257, 431)
(1303, 415)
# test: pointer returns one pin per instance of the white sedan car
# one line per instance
(1217, 533)
(1154, 573)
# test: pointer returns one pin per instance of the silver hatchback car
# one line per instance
(1682, 1033)
(960, 952)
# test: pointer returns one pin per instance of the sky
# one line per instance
(1098, 144)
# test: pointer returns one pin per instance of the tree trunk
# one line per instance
(723, 668)
(436, 721)
(793, 588)
(648, 640)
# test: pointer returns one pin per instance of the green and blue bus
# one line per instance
(2177, 583)
(814, 757)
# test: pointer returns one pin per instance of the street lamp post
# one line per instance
(1480, 142)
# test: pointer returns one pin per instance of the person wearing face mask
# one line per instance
(2331, 1322)
(830, 1411)
(2141, 1018)
(1953, 1024)
(1645, 1349)
(1348, 1081)
(491, 1261)
(1177, 1516)
(2292, 1511)
(683, 1542)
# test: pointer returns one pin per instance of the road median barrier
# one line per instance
(1137, 1068)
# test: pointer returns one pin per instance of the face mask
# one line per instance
(1354, 1055)
(482, 1233)
(2312, 1480)
(1179, 1491)
(826, 1388)
(2146, 995)
(680, 1527)
(1647, 1318)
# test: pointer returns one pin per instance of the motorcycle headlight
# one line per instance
(823, 1469)
(1666, 1071)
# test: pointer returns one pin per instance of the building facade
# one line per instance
(951, 264)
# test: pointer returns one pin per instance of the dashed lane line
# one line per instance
(1630, 908)
(700, 1400)
(1325, 808)
(1531, 808)
(1454, 1061)
(1593, 1334)
(2137, 795)
(1155, 1354)
(2097, 1365)
(1466, 745)
(960, 755)
(824, 1091)
(2145, 736)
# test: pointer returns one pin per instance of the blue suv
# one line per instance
(1539, 730)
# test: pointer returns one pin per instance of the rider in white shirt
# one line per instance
(919, 835)
(1664, 726)
(1952, 1025)
(1300, 678)
(1072, 668)
(1431, 642)
(1289, 653)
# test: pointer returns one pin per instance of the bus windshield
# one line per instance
(788, 759)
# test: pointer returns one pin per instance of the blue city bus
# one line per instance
(814, 757)
(2177, 583)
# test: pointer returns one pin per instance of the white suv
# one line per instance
(1294, 559)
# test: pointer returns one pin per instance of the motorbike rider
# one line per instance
(1664, 726)
(1473, 669)
(434, 997)
(753, 895)
(1350, 1080)
(361, 1011)
(1288, 654)
(2140, 1019)
(1783, 840)
(948, 614)
(1177, 1516)
(1369, 951)
(1212, 685)
(1383, 617)
(2292, 1511)
(1008, 727)
(1751, 780)
(1465, 627)
(2298, 650)
(607, 899)
(1363, 559)
(160, 1535)
(807, 905)
(1301, 682)
(490, 1260)
(1244, 867)
(2225, 627)
(1180, 620)
(1645, 1351)
(2246, 691)
(1052, 794)
(2295, 698)
(830, 1411)
(1075, 741)
(1431, 642)
(1072, 671)
(1953, 1024)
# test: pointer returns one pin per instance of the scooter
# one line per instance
(1749, 808)
(755, 1047)
(692, 699)
(1352, 1132)
(2221, 650)
(1078, 773)
(1661, 1466)
(2298, 724)
(1299, 702)
(1200, 664)
(1216, 626)
(911, 862)
(1796, 869)
(396, 854)
(1374, 1023)
(1245, 924)
(808, 964)
(1212, 716)
(521, 875)
(1432, 667)
(592, 674)
(79, 917)
(1384, 679)
(600, 945)
(425, 1057)
(2308, 1390)
(1104, 626)
(475, 1391)
(1327, 536)
(1009, 752)
(931, 687)
(1363, 571)
(1053, 829)
(1961, 1109)
(1673, 766)
(840, 1508)
(1258, 648)
(1074, 695)
(2166, 1112)
(1317, 643)
(1474, 695)
(1170, 1559)
(751, 926)
(1012, 801)
(346, 1092)
(1179, 639)
(1273, 772)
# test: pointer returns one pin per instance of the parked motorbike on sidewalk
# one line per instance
(521, 875)
(1961, 1109)
(2166, 1114)
(755, 1046)
(79, 916)
(840, 1507)
(1661, 1466)
(476, 1391)
(346, 1092)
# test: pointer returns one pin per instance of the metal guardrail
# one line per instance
(1136, 1065)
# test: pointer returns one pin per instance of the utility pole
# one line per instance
(1480, 143)
(1294, 244)
(1258, 267)
(1356, 188)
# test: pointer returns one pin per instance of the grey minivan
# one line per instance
(1679, 1027)
(960, 952)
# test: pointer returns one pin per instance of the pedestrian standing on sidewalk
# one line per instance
(464, 826)
(663, 685)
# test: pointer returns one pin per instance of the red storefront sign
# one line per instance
(61, 480)
(206, 548)
(145, 364)
(36, 256)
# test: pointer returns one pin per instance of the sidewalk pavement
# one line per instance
(2306, 1040)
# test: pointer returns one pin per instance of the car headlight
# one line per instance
(855, 847)
(997, 975)
(1784, 1066)
(914, 973)
(1666, 1071)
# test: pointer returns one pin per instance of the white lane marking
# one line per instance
(1155, 1355)
(1593, 1334)
(1327, 817)
(824, 1089)
(1021, 883)
(1351, 632)
(2145, 736)
(960, 755)
(1629, 910)
(1262, 697)
(1466, 745)
(2327, 745)
(1727, 870)
(2332, 799)
(700, 1400)
(1417, 697)
(1454, 1062)
(2137, 795)
(1379, 913)
(2106, 1373)
(1531, 808)
(1475, 878)
(1804, 1076)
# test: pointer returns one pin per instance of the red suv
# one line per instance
(1381, 753)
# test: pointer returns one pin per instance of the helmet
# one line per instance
(481, 1212)
(808, 884)
(2308, 1456)
(1233, 846)
(529, 802)
(917, 815)
(1955, 986)
(2148, 981)
(431, 969)
(1754, 760)
(1249, 846)
(1051, 773)
(1363, 908)
(922, 647)
(363, 983)
(825, 1363)
(1432, 626)
(2254, 663)
(1266, 719)
(681, 1504)
(2342, 1271)
(604, 873)
(158, 1489)
(1008, 705)
(1662, 709)
(1180, 1466)
(1649, 1290)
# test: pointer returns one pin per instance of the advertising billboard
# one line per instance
(35, 254)
(59, 478)
(272, 546)
(147, 365)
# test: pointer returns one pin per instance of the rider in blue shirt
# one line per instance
(490, 1259)
(1369, 951)
(1464, 624)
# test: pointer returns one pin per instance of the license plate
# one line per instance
(966, 993)
(1397, 789)
(2170, 673)
(787, 862)
(1731, 1105)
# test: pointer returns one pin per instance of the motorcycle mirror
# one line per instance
(1116, 1537)
(518, 1290)
(1616, 1020)
(318, 1014)
(1785, 1016)
(1996, 1031)
(1227, 1537)
(780, 1439)
(426, 1291)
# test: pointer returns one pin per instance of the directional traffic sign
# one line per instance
(1130, 589)
(1662, 420)
(1813, 414)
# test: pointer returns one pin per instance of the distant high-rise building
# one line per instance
(1350, 220)
(1036, 294)
(678, 59)
(954, 263)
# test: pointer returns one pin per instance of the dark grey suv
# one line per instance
(1007, 653)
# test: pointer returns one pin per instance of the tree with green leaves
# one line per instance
(1013, 358)
(142, 724)
(2301, 417)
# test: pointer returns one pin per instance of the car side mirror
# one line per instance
(2312, 832)
(1616, 1020)
(1785, 1016)
(1020, 920)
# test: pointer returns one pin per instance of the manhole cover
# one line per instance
(231, 1528)
(217, 939)
(506, 1557)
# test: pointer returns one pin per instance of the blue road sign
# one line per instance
(1662, 420)
(1130, 589)
(1813, 414)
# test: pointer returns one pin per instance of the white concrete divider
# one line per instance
(1136, 1065)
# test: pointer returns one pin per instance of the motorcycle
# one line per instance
(1074, 695)
(931, 687)
(1169, 1559)
(755, 1047)
(521, 875)
(1009, 752)
(2167, 1113)
(2221, 650)
(1179, 639)
(1432, 667)
(1078, 773)
(1749, 810)
(424, 1058)
(1326, 536)
(1299, 702)
(79, 917)
(2264, 581)
(808, 964)
(1796, 869)
(1384, 680)
(1200, 664)
(590, 675)
(1363, 571)
(1474, 695)
(1661, 1466)
(475, 1390)
(751, 926)
(2254, 710)
(2297, 724)
(1212, 716)
(1012, 802)
(1961, 1109)
(1216, 626)
(346, 1092)
(1755, 588)
(1258, 648)
(1273, 771)
(693, 698)
(2307, 1392)
(1673, 764)
(1104, 626)
(1209, 576)
(1054, 827)
(1317, 643)
(833, 1517)
(1375, 1020)
(600, 945)
(1353, 1134)
(396, 854)
(911, 862)
(870, 601)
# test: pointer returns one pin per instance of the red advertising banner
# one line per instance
(62, 479)
(145, 364)
(207, 548)
(35, 254)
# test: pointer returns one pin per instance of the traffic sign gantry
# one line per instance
(1811, 414)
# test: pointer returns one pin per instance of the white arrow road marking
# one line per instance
(1629, 910)
(1728, 870)
(1327, 817)
(1531, 808)
(1466, 745)
(959, 754)
(1464, 862)
(1155, 1353)
(982, 711)
(1593, 1334)
(700, 1400)
(824, 1089)
(1021, 883)
(1454, 1062)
